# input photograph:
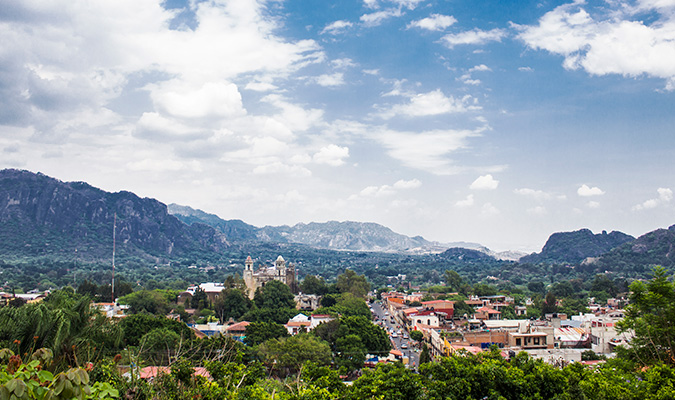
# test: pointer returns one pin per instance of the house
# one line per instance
(318, 319)
(430, 318)
(237, 331)
(212, 290)
(297, 324)
(532, 340)
(488, 313)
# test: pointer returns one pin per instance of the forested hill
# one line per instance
(574, 247)
(653, 248)
(42, 216)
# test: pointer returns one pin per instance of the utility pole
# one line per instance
(112, 291)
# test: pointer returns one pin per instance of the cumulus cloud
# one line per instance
(612, 40)
(593, 204)
(533, 193)
(330, 80)
(665, 195)
(475, 36)
(484, 182)
(467, 202)
(489, 210)
(431, 103)
(387, 190)
(410, 184)
(586, 191)
(336, 27)
(332, 155)
(376, 18)
(434, 22)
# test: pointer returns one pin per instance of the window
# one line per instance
(518, 342)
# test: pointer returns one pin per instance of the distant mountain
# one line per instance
(348, 235)
(235, 230)
(574, 247)
(652, 248)
(42, 216)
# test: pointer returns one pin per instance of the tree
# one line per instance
(388, 381)
(372, 336)
(232, 303)
(149, 301)
(453, 280)
(258, 332)
(313, 285)
(351, 352)
(549, 305)
(289, 353)
(425, 356)
(536, 287)
(417, 336)
(351, 282)
(273, 295)
(199, 300)
(651, 315)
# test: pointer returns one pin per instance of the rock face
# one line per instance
(42, 215)
(653, 248)
(333, 235)
(348, 235)
(574, 247)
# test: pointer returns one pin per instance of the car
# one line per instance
(405, 336)
(393, 335)
(404, 346)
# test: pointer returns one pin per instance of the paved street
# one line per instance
(406, 346)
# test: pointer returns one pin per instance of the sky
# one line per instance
(495, 122)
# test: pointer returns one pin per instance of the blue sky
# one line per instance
(491, 122)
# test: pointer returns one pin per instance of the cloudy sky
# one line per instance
(498, 122)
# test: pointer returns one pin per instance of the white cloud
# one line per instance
(427, 150)
(525, 69)
(593, 204)
(424, 150)
(484, 182)
(468, 202)
(481, 67)
(586, 191)
(475, 36)
(535, 194)
(664, 197)
(188, 100)
(409, 4)
(411, 184)
(489, 210)
(376, 18)
(431, 103)
(330, 80)
(614, 40)
(370, 3)
(435, 22)
(332, 155)
(336, 27)
(387, 190)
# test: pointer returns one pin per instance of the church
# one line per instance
(278, 272)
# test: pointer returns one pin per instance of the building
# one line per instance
(255, 279)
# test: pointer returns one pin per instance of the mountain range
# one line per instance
(42, 216)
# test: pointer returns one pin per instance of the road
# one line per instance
(382, 316)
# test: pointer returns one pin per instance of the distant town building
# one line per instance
(278, 272)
